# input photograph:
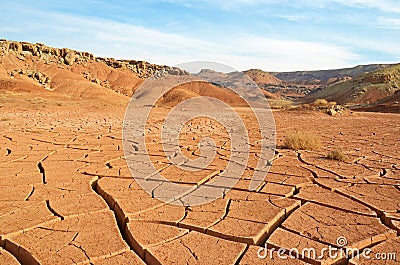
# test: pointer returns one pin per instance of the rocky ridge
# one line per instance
(69, 57)
(37, 68)
(326, 77)
(368, 88)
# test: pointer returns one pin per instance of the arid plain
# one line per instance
(67, 195)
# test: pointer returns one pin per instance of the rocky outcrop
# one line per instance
(141, 68)
(325, 77)
(376, 78)
(336, 109)
(89, 76)
(68, 57)
(41, 78)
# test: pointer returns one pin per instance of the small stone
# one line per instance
(332, 112)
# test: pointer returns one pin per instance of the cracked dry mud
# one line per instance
(67, 196)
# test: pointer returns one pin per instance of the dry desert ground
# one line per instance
(67, 195)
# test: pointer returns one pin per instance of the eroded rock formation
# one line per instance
(70, 57)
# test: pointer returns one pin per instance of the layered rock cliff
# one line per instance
(38, 68)
(66, 56)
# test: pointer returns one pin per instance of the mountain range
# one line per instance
(65, 73)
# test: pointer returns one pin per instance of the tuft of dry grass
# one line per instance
(321, 101)
(280, 103)
(302, 141)
(337, 155)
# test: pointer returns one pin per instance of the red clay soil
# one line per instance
(200, 88)
(68, 196)
(390, 105)
(77, 80)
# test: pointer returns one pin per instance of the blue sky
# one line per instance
(273, 35)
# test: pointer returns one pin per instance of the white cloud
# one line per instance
(113, 39)
(384, 46)
(279, 54)
(383, 5)
(388, 23)
(294, 18)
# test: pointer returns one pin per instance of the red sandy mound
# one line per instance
(35, 75)
(262, 78)
(200, 88)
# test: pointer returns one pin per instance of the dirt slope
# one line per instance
(263, 78)
(200, 88)
(369, 88)
(63, 72)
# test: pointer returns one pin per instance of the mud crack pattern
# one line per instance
(81, 205)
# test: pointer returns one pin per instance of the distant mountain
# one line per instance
(274, 87)
(326, 77)
(377, 87)
(299, 84)
(245, 82)
(263, 78)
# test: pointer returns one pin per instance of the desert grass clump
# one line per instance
(302, 141)
(337, 155)
(321, 101)
(280, 103)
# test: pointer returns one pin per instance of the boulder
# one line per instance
(26, 54)
(331, 112)
(69, 58)
(97, 81)
(15, 46)
(174, 71)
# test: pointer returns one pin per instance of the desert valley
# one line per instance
(67, 194)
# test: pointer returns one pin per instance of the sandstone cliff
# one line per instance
(36, 67)
(66, 56)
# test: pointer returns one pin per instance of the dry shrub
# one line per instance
(321, 101)
(337, 155)
(280, 103)
(302, 141)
